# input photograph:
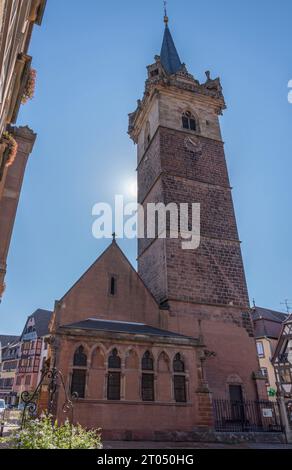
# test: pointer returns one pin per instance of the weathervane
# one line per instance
(165, 12)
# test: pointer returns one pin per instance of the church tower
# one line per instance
(181, 160)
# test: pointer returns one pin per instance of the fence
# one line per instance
(247, 416)
(9, 420)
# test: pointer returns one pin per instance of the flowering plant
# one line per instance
(12, 145)
(29, 90)
(41, 433)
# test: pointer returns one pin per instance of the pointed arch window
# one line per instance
(78, 380)
(189, 121)
(114, 361)
(147, 361)
(178, 364)
(80, 358)
(114, 376)
(179, 379)
(147, 377)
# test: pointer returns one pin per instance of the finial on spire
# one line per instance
(165, 13)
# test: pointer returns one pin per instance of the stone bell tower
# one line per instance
(181, 159)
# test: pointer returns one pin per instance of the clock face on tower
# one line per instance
(193, 144)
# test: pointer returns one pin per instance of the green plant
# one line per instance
(41, 433)
(29, 90)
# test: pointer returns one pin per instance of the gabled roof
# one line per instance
(5, 340)
(122, 327)
(41, 322)
(267, 322)
(169, 57)
(268, 314)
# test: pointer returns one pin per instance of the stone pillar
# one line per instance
(25, 138)
(203, 394)
(205, 408)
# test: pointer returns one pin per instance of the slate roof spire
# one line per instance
(169, 56)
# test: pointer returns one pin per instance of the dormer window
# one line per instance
(188, 121)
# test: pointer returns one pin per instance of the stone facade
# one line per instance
(187, 310)
(17, 20)
(11, 193)
(132, 306)
(203, 291)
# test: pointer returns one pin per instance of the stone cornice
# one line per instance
(128, 337)
(182, 81)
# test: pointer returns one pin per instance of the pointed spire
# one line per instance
(169, 56)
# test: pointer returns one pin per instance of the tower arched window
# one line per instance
(78, 380)
(114, 376)
(147, 377)
(189, 121)
(179, 379)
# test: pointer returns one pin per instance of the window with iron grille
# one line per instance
(148, 387)
(114, 361)
(180, 395)
(147, 361)
(78, 382)
(80, 358)
(114, 386)
(178, 364)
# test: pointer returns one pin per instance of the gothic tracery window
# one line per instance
(80, 358)
(114, 376)
(147, 361)
(147, 377)
(179, 379)
(189, 121)
(78, 380)
(114, 361)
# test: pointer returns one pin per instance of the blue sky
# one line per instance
(91, 62)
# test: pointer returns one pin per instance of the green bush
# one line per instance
(40, 433)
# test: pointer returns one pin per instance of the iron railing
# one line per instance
(247, 416)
